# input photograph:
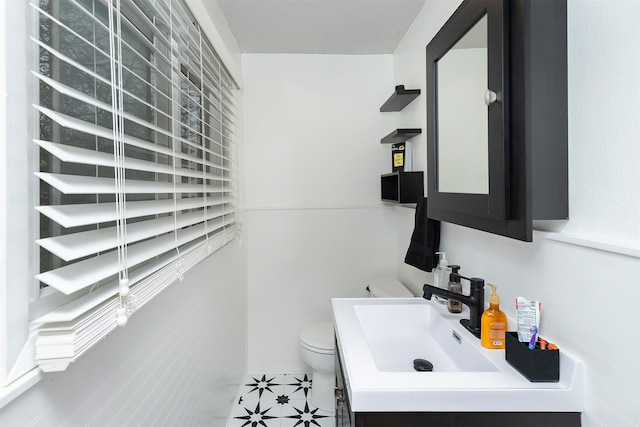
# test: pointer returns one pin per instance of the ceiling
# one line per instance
(353, 27)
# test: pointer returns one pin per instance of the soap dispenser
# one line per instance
(454, 286)
(493, 323)
(441, 275)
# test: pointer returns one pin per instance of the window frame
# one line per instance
(17, 216)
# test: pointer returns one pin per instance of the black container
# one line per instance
(397, 157)
(536, 365)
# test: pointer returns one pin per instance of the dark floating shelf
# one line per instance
(399, 99)
(400, 135)
(402, 187)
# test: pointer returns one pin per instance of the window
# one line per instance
(137, 162)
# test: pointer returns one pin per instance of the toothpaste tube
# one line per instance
(528, 318)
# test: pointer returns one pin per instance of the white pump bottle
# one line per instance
(441, 275)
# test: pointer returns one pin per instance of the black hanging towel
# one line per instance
(425, 240)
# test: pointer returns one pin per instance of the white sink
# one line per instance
(378, 339)
(398, 334)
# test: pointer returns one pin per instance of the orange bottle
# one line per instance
(493, 323)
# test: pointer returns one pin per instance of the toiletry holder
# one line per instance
(536, 365)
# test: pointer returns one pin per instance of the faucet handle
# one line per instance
(476, 283)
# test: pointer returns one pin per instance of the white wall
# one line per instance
(179, 360)
(589, 295)
(316, 227)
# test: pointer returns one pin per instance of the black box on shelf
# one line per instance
(397, 157)
(536, 365)
(402, 187)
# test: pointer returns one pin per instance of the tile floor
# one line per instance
(278, 401)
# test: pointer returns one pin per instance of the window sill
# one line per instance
(19, 386)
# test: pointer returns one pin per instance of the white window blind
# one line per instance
(138, 162)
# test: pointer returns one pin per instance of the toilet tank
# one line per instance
(387, 287)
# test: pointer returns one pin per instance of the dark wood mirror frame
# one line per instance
(528, 152)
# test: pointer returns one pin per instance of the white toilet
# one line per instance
(317, 343)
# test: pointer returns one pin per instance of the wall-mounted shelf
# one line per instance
(400, 98)
(402, 187)
(400, 135)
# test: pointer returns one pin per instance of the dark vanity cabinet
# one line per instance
(343, 408)
(497, 116)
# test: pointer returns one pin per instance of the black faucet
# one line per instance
(475, 301)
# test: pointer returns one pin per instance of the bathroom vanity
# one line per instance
(376, 384)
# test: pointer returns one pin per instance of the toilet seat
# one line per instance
(318, 337)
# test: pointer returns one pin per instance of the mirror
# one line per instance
(463, 146)
(497, 116)
(467, 142)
